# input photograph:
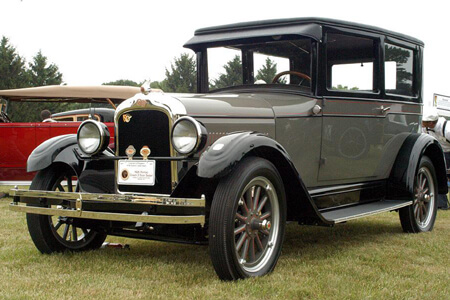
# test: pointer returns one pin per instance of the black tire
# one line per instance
(421, 215)
(247, 220)
(49, 237)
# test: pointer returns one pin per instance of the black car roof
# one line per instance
(310, 27)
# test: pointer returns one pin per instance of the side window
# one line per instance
(63, 119)
(398, 68)
(350, 61)
(224, 67)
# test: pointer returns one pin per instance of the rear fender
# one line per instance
(416, 145)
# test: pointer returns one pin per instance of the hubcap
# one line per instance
(256, 224)
(424, 198)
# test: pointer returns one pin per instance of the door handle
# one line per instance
(384, 109)
(316, 109)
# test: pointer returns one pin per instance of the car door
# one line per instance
(353, 115)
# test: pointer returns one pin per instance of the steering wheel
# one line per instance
(4, 117)
(299, 74)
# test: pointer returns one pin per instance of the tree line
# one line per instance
(180, 77)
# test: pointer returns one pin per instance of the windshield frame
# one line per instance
(203, 81)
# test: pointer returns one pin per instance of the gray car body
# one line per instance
(333, 148)
(289, 119)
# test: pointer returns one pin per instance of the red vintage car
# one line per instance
(17, 140)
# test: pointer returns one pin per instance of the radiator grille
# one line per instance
(150, 128)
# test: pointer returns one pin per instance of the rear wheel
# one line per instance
(247, 221)
(57, 234)
(421, 215)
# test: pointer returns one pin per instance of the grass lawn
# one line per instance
(364, 259)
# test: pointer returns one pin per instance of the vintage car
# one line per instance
(18, 139)
(231, 164)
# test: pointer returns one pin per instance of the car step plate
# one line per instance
(364, 210)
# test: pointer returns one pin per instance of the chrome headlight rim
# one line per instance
(103, 136)
(201, 134)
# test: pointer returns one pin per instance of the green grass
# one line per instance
(364, 259)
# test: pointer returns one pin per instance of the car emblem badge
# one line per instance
(130, 151)
(126, 118)
(145, 152)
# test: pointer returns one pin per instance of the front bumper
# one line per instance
(78, 201)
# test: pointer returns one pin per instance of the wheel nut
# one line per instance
(266, 225)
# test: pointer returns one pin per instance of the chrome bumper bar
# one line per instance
(80, 198)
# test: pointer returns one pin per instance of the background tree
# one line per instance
(401, 57)
(41, 73)
(15, 74)
(182, 78)
(232, 76)
(345, 88)
(122, 82)
(12, 67)
(268, 72)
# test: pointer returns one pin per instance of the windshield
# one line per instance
(34, 111)
(281, 61)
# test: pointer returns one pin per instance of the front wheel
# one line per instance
(56, 234)
(247, 221)
(421, 215)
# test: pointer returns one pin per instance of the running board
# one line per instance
(364, 210)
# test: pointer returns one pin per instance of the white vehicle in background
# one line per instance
(442, 103)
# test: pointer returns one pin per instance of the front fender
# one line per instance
(226, 152)
(220, 159)
(57, 149)
(416, 145)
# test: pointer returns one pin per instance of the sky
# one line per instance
(97, 41)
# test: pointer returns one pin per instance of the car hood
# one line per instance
(225, 105)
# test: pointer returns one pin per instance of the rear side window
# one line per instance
(398, 68)
(350, 61)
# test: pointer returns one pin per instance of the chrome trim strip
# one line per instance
(116, 198)
(79, 213)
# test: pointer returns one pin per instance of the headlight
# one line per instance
(188, 136)
(92, 137)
